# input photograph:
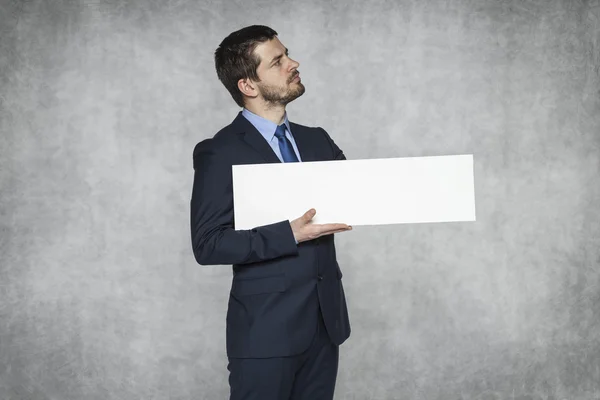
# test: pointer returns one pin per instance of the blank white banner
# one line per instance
(356, 192)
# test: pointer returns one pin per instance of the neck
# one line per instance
(274, 113)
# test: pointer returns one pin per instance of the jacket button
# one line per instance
(320, 277)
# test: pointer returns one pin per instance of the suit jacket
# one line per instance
(278, 286)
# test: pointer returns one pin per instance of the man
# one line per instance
(287, 311)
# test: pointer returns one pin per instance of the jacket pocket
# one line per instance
(270, 284)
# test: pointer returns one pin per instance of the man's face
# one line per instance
(277, 72)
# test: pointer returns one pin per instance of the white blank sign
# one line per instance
(356, 192)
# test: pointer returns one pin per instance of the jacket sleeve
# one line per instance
(338, 154)
(214, 239)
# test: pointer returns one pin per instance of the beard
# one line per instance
(275, 95)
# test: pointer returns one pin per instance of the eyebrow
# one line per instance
(279, 56)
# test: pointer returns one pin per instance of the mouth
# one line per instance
(296, 78)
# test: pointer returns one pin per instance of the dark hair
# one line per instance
(235, 58)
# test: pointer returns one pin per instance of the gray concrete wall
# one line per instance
(102, 103)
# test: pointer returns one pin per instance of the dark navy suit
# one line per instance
(284, 297)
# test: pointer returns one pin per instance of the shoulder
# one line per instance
(315, 132)
(320, 138)
(215, 148)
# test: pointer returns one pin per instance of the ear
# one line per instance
(246, 86)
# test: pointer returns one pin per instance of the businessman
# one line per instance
(287, 312)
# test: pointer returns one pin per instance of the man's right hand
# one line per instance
(304, 230)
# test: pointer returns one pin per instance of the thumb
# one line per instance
(309, 215)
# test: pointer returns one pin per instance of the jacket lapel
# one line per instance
(302, 138)
(255, 140)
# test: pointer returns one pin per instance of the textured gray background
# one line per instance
(102, 103)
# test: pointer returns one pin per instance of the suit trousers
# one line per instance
(310, 375)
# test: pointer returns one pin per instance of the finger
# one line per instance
(309, 215)
(333, 231)
(331, 227)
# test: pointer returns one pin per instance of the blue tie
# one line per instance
(287, 151)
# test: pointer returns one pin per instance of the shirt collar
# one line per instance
(264, 126)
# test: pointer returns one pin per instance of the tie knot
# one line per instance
(280, 131)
